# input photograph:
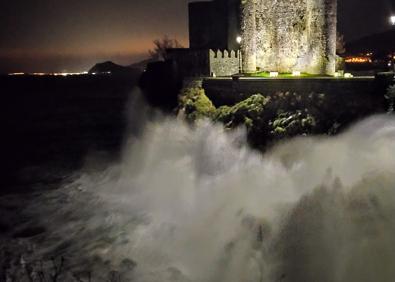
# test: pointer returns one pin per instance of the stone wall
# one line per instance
(249, 36)
(230, 92)
(214, 24)
(199, 26)
(204, 62)
(190, 62)
(224, 63)
(289, 35)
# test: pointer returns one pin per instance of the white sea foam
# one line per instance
(197, 204)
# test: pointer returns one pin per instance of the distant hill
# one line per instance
(379, 44)
(142, 65)
(114, 69)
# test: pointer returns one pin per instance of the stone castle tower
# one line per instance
(289, 35)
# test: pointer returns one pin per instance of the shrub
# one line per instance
(390, 92)
(291, 124)
(195, 104)
(248, 112)
(390, 96)
(269, 118)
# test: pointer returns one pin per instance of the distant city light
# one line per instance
(52, 73)
(17, 73)
(392, 20)
(348, 75)
(358, 60)
(273, 74)
(238, 39)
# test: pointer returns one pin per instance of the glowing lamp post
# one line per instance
(392, 21)
(238, 40)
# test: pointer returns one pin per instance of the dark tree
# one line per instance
(340, 44)
(161, 46)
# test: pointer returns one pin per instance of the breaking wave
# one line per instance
(197, 204)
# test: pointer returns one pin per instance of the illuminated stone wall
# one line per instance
(223, 63)
(289, 35)
(204, 62)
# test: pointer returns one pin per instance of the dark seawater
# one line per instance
(182, 203)
(50, 124)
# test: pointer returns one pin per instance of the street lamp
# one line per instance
(238, 40)
(392, 21)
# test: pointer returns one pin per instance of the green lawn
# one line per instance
(283, 75)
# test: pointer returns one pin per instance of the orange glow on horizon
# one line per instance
(110, 48)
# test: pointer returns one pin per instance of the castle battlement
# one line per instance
(224, 62)
(222, 54)
(205, 62)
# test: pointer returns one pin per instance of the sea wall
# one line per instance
(228, 91)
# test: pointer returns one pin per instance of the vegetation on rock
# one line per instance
(282, 115)
(390, 96)
(195, 104)
(270, 118)
(248, 112)
(265, 118)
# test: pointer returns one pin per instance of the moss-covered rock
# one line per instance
(195, 104)
(248, 112)
(268, 119)
(390, 96)
(271, 118)
(291, 124)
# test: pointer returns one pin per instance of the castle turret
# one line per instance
(330, 35)
(282, 35)
(248, 29)
(322, 31)
(289, 35)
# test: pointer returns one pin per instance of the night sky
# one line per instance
(72, 35)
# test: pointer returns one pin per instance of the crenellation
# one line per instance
(223, 62)
(212, 53)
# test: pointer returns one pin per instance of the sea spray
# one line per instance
(196, 204)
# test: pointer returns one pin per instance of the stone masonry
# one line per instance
(289, 35)
(223, 63)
